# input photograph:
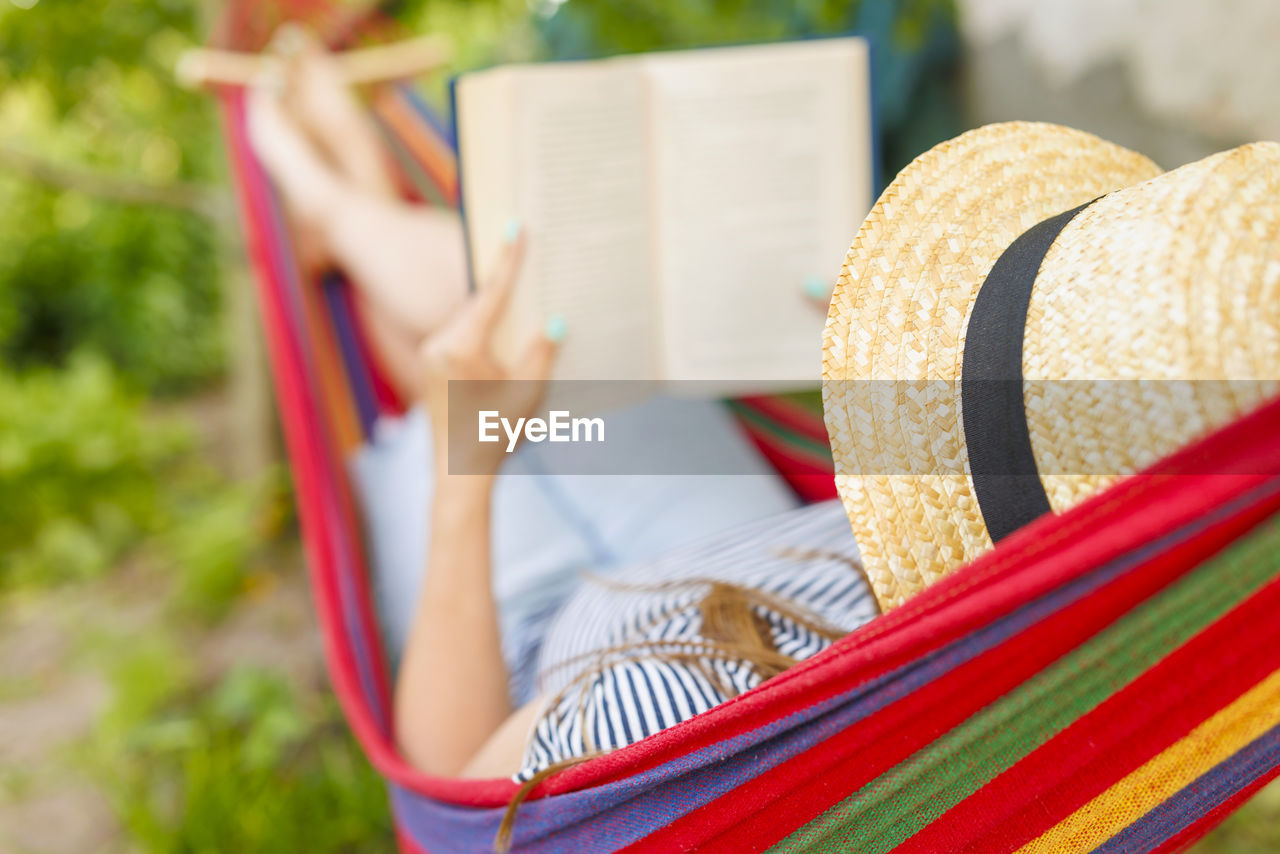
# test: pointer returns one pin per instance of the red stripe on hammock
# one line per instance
(809, 473)
(1128, 729)
(810, 479)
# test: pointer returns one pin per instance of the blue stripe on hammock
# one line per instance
(358, 379)
(1209, 791)
(428, 113)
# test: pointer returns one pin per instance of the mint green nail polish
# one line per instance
(512, 230)
(557, 327)
(816, 288)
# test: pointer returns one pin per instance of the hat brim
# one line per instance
(897, 322)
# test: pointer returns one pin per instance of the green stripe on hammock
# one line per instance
(811, 447)
(915, 793)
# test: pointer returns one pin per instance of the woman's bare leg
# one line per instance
(395, 347)
(406, 261)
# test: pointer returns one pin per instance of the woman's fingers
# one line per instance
(494, 298)
(818, 291)
(539, 357)
(463, 348)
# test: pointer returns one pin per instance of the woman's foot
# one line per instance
(322, 101)
(314, 139)
(309, 185)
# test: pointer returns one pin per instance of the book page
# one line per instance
(577, 179)
(763, 174)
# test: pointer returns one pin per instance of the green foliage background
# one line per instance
(78, 464)
(87, 87)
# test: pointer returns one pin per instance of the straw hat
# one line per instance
(1169, 276)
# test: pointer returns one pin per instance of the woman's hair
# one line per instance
(733, 629)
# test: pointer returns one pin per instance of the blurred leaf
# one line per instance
(89, 85)
(144, 676)
(213, 547)
(79, 461)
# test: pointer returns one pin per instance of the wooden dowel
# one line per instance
(207, 67)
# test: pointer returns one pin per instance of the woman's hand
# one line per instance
(461, 352)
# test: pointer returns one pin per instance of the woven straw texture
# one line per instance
(1172, 276)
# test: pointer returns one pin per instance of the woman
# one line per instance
(486, 600)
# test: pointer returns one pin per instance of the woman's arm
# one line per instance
(451, 692)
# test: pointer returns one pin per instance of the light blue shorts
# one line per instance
(549, 528)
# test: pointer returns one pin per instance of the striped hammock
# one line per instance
(1104, 680)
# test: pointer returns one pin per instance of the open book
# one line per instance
(675, 204)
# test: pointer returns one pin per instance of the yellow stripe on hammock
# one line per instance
(1214, 741)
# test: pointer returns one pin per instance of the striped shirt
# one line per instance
(600, 702)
